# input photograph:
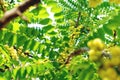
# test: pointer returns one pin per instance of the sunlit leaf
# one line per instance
(56, 9)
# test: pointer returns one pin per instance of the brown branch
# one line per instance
(78, 18)
(75, 53)
(13, 13)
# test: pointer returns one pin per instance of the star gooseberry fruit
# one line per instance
(96, 44)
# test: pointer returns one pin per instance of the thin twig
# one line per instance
(78, 18)
(75, 53)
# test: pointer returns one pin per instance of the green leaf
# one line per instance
(48, 65)
(54, 39)
(16, 26)
(101, 33)
(84, 73)
(56, 9)
(34, 69)
(10, 26)
(36, 10)
(29, 70)
(47, 28)
(41, 48)
(118, 32)
(23, 29)
(8, 75)
(21, 40)
(23, 72)
(34, 45)
(52, 33)
(43, 13)
(29, 32)
(66, 38)
(60, 20)
(51, 3)
(41, 68)
(18, 74)
(27, 44)
(59, 15)
(114, 22)
(13, 40)
(2, 33)
(45, 21)
(7, 36)
(107, 30)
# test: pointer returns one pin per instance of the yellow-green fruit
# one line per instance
(113, 72)
(19, 51)
(98, 44)
(71, 42)
(115, 1)
(94, 3)
(23, 55)
(14, 56)
(94, 55)
(115, 61)
(115, 51)
(90, 44)
(118, 78)
(6, 46)
(112, 1)
(107, 63)
(108, 74)
(21, 47)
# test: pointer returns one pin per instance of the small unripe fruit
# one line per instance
(115, 61)
(90, 44)
(106, 74)
(98, 45)
(94, 3)
(115, 51)
(93, 55)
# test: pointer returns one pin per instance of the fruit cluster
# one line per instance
(109, 74)
(15, 53)
(74, 33)
(106, 57)
(96, 47)
(12, 51)
(115, 57)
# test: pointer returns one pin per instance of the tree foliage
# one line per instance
(60, 40)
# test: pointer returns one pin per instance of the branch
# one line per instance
(78, 18)
(13, 13)
(75, 53)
